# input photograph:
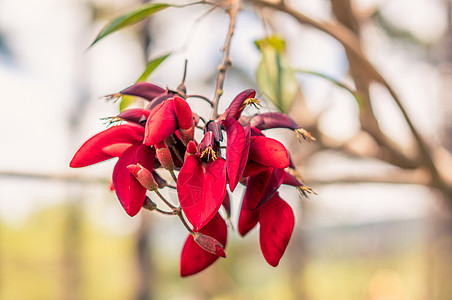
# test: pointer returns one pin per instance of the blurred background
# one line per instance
(379, 226)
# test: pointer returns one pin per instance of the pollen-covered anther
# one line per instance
(209, 153)
(304, 134)
(251, 101)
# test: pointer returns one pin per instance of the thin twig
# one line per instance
(164, 200)
(202, 98)
(233, 8)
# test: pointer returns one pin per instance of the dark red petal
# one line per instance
(273, 120)
(130, 192)
(161, 123)
(215, 128)
(201, 188)
(194, 259)
(248, 218)
(144, 90)
(277, 221)
(183, 113)
(92, 151)
(233, 111)
(268, 152)
(237, 150)
(261, 187)
(135, 115)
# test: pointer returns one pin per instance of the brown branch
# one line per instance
(232, 8)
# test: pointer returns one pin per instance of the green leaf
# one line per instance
(130, 18)
(357, 95)
(126, 101)
(151, 66)
(274, 75)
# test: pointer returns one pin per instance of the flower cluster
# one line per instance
(233, 150)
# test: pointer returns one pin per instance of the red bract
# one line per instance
(124, 142)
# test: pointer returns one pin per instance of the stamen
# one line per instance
(251, 101)
(113, 97)
(305, 190)
(304, 134)
(111, 120)
(209, 153)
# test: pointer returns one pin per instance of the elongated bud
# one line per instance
(192, 149)
(164, 156)
(209, 244)
(149, 204)
(135, 115)
(143, 175)
(144, 90)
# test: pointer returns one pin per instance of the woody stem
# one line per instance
(232, 9)
(178, 212)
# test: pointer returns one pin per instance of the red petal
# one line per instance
(201, 188)
(183, 113)
(144, 90)
(116, 150)
(253, 168)
(248, 218)
(268, 152)
(277, 221)
(92, 151)
(261, 187)
(195, 259)
(161, 123)
(236, 151)
(130, 192)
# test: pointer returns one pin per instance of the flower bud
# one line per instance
(209, 244)
(149, 204)
(143, 175)
(164, 156)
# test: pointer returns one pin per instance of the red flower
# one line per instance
(126, 143)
